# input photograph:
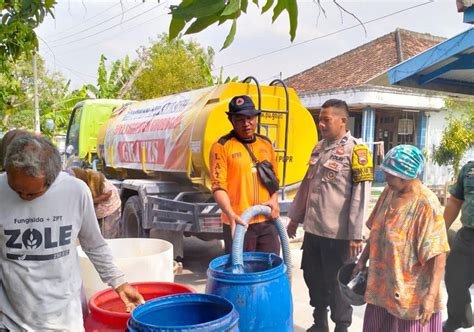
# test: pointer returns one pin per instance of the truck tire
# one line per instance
(132, 219)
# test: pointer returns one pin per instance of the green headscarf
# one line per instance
(403, 161)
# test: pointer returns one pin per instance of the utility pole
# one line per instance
(35, 96)
(127, 86)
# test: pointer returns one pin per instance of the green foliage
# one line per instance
(200, 14)
(173, 66)
(16, 96)
(18, 19)
(458, 136)
(228, 79)
(109, 85)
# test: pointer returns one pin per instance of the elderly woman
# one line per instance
(107, 203)
(406, 250)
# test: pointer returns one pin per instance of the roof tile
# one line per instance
(357, 66)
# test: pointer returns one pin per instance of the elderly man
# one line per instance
(331, 203)
(42, 214)
(235, 182)
(6, 140)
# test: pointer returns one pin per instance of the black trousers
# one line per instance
(322, 258)
(459, 277)
(261, 237)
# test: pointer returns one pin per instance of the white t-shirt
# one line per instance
(40, 280)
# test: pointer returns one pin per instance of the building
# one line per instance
(381, 112)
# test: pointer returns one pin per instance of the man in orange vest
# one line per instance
(235, 182)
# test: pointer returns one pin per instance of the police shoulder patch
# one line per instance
(362, 164)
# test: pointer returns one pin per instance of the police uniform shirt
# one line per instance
(334, 194)
(463, 189)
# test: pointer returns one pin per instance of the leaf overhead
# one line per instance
(243, 5)
(19, 18)
(176, 26)
(280, 6)
(292, 8)
(232, 7)
(267, 6)
(230, 37)
(198, 8)
(200, 14)
(201, 23)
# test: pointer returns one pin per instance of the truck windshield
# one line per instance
(74, 128)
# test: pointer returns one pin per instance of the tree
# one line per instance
(109, 85)
(16, 96)
(18, 19)
(458, 136)
(173, 66)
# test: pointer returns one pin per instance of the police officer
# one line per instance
(460, 264)
(331, 204)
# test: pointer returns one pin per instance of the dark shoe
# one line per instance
(316, 328)
(448, 326)
(341, 328)
(320, 321)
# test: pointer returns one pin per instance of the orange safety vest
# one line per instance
(232, 170)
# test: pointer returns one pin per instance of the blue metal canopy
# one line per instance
(448, 67)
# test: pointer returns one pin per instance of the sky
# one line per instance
(82, 30)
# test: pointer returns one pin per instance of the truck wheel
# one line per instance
(132, 219)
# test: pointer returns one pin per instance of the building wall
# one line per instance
(435, 174)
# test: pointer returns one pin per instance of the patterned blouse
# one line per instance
(109, 206)
(402, 241)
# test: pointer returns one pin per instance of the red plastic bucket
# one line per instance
(107, 311)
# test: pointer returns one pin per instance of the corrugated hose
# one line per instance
(238, 241)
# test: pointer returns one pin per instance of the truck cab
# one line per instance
(86, 118)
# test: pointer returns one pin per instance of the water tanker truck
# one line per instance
(157, 152)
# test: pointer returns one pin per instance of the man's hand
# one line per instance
(273, 204)
(291, 229)
(129, 295)
(427, 308)
(235, 219)
(355, 247)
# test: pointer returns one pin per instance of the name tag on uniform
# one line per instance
(332, 165)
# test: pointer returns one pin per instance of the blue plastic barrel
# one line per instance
(185, 312)
(261, 294)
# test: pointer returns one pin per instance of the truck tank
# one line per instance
(171, 136)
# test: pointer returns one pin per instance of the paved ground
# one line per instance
(198, 254)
